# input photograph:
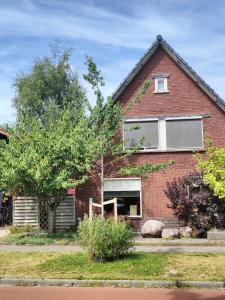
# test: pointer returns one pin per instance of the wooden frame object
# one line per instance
(112, 201)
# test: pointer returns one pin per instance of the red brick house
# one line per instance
(176, 114)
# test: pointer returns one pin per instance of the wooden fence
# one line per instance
(26, 211)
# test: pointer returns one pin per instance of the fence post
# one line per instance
(90, 208)
(115, 209)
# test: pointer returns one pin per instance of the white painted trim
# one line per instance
(203, 144)
(169, 150)
(120, 184)
(187, 148)
(140, 202)
(183, 118)
(123, 178)
(140, 120)
(157, 84)
(162, 133)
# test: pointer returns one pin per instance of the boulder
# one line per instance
(152, 228)
(185, 231)
(170, 233)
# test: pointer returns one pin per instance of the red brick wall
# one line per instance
(184, 98)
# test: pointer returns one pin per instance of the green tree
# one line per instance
(56, 142)
(50, 146)
(106, 122)
(213, 167)
(51, 81)
(44, 161)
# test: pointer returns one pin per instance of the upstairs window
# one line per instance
(161, 84)
(141, 133)
(164, 134)
(184, 134)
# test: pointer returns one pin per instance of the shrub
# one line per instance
(194, 204)
(105, 239)
(15, 229)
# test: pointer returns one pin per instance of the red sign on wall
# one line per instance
(71, 191)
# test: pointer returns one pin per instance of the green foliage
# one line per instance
(141, 92)
(213, 167)
(105, 238)
(50, 146)
(55, 144)
(42, 160)
(133, 266)
(105, 117)
(145, 169)
(15, 229)
(51, 81)
(93, 76)
(107, 122)
(39, 238)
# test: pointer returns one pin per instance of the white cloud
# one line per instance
(121, 29)
(88, 22)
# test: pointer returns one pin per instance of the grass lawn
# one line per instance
(149, 266)
(41, 238)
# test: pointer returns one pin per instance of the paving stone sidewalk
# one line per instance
(71, 248)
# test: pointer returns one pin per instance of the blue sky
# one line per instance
(115, 33)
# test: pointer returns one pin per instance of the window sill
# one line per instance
(161, 92)
(169, 150)
(131, 217)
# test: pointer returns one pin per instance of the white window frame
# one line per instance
(140, 190)
(188, 148)
(157, 91)
(162, 134)
(142, 120)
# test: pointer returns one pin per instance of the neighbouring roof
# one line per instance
(3, 132)
(179, 60)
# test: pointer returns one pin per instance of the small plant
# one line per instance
(105, 239)
(15, 229)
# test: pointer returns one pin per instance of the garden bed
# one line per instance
(40, 238)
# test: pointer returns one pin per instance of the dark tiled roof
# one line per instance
(179, 60)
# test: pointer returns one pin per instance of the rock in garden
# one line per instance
(185, 231)
(152, 228)
(170, 233)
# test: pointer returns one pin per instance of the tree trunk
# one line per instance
(102, 185)
(52, 219)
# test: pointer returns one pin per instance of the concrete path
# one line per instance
(181, 249)
(150, 249)
(177, 242)
(72, 293)
(4, 232)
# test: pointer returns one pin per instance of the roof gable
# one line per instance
(179, 60)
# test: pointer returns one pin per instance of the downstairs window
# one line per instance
(128, 194)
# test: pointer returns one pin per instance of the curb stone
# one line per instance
(112, 283)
